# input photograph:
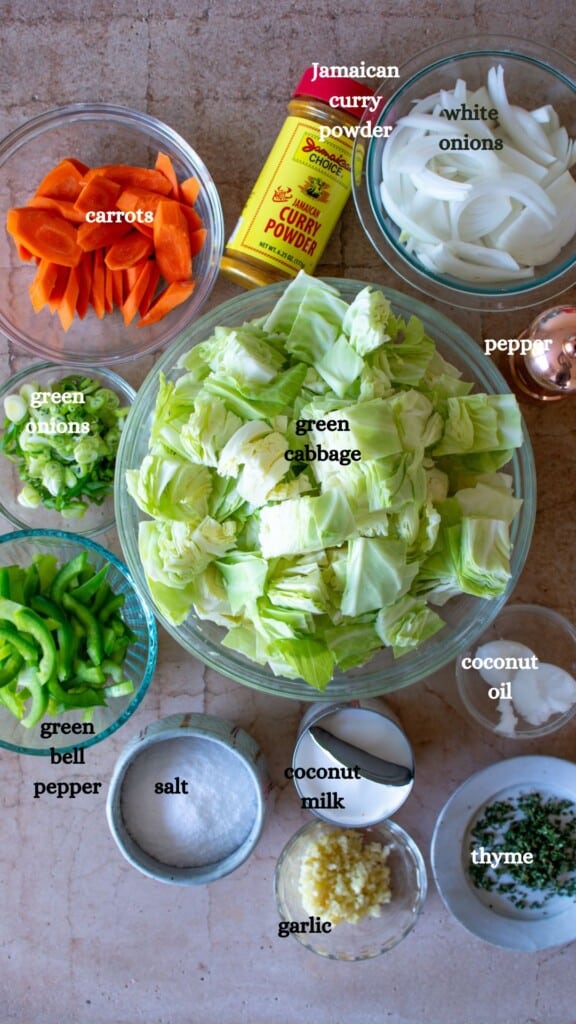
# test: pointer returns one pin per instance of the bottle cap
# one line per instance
(333, 90)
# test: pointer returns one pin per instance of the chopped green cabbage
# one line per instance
(312, 565)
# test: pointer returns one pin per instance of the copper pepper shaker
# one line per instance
(547, 372)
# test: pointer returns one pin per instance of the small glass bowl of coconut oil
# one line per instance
(519, 679)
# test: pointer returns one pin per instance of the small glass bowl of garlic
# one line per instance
(519, 678)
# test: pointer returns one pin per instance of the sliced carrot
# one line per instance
(98, 236)
(23, 252)
(172, 296)
(166, 167)
(98, 291)
(192, 219)
(98, 194)
(197, 239)
(130, 250)
(85, 283)
(132, 177)
(108, 289)
(117, 286)
(83, 168)
(43, 283)
(62, 182)
(132, 302)
(189, 189)
(148, 296)
(44, 234)
(131, 275)
(143, 203)
(172, 242)
(67, 305)
(57, 293)
(66, 209)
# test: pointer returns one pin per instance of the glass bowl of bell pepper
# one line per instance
(78, 645)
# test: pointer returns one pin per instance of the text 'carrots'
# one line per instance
(115, 236)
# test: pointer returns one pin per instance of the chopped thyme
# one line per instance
(528, 823)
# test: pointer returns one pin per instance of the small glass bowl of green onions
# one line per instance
(59, 434)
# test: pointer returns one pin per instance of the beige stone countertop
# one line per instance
(84, 938)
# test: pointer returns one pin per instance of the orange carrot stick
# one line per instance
(98, 236)
(44, 234)
(172, 296)
(172, 242)
(67, 305)
(98, 291)
(62, 182)
(43, 283)
(197, 239)
(148, 296)
(85, 284)
(192, 219)
(189, 189)
(166, 167)
(134, 298)
(98, 194)
(132, 177)
(130, 250)
(66, 209)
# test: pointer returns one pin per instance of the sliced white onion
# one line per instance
(480, 214)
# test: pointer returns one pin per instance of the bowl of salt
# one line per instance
(188, 799)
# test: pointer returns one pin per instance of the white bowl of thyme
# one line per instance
(504, 853)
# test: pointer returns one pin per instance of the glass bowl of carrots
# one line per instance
(78, 646)
(114, 233)
(60, 427)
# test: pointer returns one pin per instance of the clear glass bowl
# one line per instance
(466, 617)
(534, 76)
(96, 133)
(373, 935)
(97, 518)
(550, 636)
(19, 549)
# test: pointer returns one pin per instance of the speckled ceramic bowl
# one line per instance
(199, 730)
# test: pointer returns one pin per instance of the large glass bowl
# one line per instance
(534, 77)
(466, 617)
(96, 134)
(19, 549)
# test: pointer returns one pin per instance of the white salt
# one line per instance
(194, 828)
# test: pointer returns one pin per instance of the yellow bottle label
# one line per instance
(297, 199)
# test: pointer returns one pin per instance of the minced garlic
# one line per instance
(342, 878)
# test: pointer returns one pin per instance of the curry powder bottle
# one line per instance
(303, 186)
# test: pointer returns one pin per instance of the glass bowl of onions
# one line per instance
(465, 184)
